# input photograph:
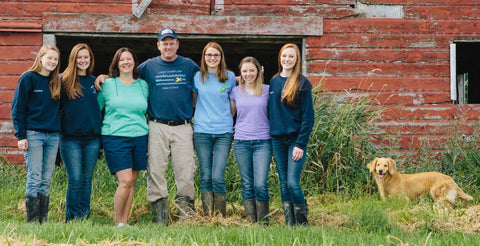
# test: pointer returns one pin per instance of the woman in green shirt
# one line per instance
(124, 97)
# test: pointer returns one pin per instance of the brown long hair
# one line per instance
(222, 66)
(290, 89)
(55, 84)
(258, 80)
(113, 69)
(71, 84)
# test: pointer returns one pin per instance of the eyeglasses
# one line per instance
(213, 55)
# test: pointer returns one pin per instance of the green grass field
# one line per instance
(345, 208)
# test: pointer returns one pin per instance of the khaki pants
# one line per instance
(177, 141)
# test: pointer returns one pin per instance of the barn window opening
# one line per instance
(265, 49)
(464, 74)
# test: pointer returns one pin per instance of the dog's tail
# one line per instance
(463, 195)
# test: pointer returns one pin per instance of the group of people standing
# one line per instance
(147, 120)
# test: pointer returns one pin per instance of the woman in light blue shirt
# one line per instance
(213, 126)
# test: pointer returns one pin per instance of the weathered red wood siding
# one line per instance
(402, 63)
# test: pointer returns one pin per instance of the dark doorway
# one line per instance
(468, 81)
(235, 48)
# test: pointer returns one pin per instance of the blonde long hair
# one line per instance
(70, 82)
(290, 89)
(55, 84)
(222, 66)
(258, 80)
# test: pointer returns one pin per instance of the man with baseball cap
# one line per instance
(170, 110)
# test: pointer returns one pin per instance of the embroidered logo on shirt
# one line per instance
(223, 88)
(94, 91)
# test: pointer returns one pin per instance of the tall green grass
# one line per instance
(340, 142)
(345, 208)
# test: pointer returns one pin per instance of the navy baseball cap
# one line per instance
(166, 32)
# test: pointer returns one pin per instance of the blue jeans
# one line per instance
(289, 171)
(40, 159)
(253, 159)
(212, 152)
(79, 156)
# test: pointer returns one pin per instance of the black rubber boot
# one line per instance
(185, 207)
(160, 211)
(43, 211)
(220, 203)
(263, 209)
(288, 213)
(207, 203)
(250, 209)
(301, 212)
(32, 205)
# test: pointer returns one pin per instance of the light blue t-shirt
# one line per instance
(252, 114)
(212, 112)
(125, 108)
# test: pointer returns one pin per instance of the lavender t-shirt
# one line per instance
(252, 114)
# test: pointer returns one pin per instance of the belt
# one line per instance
(172, 122)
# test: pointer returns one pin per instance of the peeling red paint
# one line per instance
(402, 64)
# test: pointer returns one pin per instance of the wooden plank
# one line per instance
(350, 68)
(20, 25)
(35, 9)
(228, 25)
(14, 67)
(365, 40)
(21, 38)
(424, 2)
(179, 8)
(374, 83)
(375, 54)
(8, 140)
(325, 11)
(27, 52)
(84, 1)
(6, 96)
(288, 2)
(405, 98)
(445, 112)
(9, 82)
(6, 114)
(393, 26)
(13, 156)
(464, 12)
(410, 142)
(425, 129)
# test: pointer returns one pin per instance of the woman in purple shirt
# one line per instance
(251, 145)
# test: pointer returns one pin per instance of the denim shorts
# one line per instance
(125, 152)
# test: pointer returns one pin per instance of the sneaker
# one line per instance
(120, 225)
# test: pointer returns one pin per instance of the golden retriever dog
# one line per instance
(441, 187)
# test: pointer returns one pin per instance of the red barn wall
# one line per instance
(403, 63)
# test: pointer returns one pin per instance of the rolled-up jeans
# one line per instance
(212, 152)
(253, 159)
(289, 171)
(40, 159)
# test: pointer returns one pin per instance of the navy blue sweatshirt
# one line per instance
(291, 120)
(33, 107)
(81, 117)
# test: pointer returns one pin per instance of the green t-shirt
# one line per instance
(125, 108)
